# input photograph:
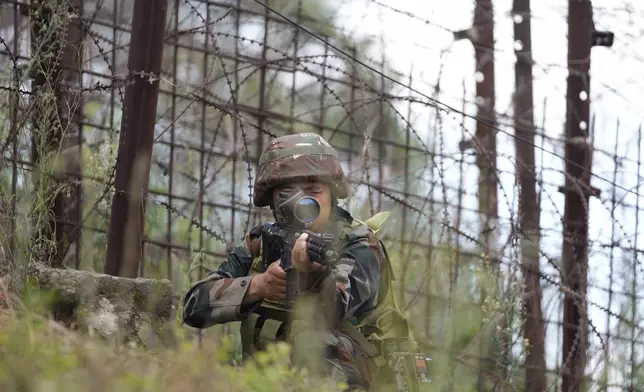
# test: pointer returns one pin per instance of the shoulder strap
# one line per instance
(368, 347)
(361, 229)
(376, 221)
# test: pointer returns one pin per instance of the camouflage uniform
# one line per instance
(360, 278)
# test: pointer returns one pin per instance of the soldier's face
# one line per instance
(320, 192)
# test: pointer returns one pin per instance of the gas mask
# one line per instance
(294, 212)
(294, 209)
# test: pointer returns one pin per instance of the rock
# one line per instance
(103, 319)
(117, 309)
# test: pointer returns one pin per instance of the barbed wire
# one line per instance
(205, 114)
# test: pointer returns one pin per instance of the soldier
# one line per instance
(370, 323)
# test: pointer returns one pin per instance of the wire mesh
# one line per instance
(237, 73)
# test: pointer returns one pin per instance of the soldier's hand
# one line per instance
(272, 282)
(300, 257)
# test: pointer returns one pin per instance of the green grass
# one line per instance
(38, 354)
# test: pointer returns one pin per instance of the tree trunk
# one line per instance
(56, 46)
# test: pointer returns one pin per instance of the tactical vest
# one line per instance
(379, 333)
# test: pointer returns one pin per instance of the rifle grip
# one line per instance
(291, 276)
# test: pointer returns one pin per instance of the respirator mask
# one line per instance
(295, 209)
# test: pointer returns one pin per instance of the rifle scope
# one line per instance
(294, 208)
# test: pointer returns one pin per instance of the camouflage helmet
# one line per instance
(292, 157)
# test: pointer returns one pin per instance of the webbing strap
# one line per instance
(268, 333)
(376, 221)
(376, 315)
(369, 348)
(247, 332)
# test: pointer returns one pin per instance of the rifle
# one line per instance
(293, 213)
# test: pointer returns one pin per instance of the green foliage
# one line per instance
(454, 324)
(440, 287)
(38, 354)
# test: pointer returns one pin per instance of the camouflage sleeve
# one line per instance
(357, 276)
(218, 298)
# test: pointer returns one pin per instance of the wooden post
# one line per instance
(529, 214)
(127, 231)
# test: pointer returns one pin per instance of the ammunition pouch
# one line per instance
(268, 324)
